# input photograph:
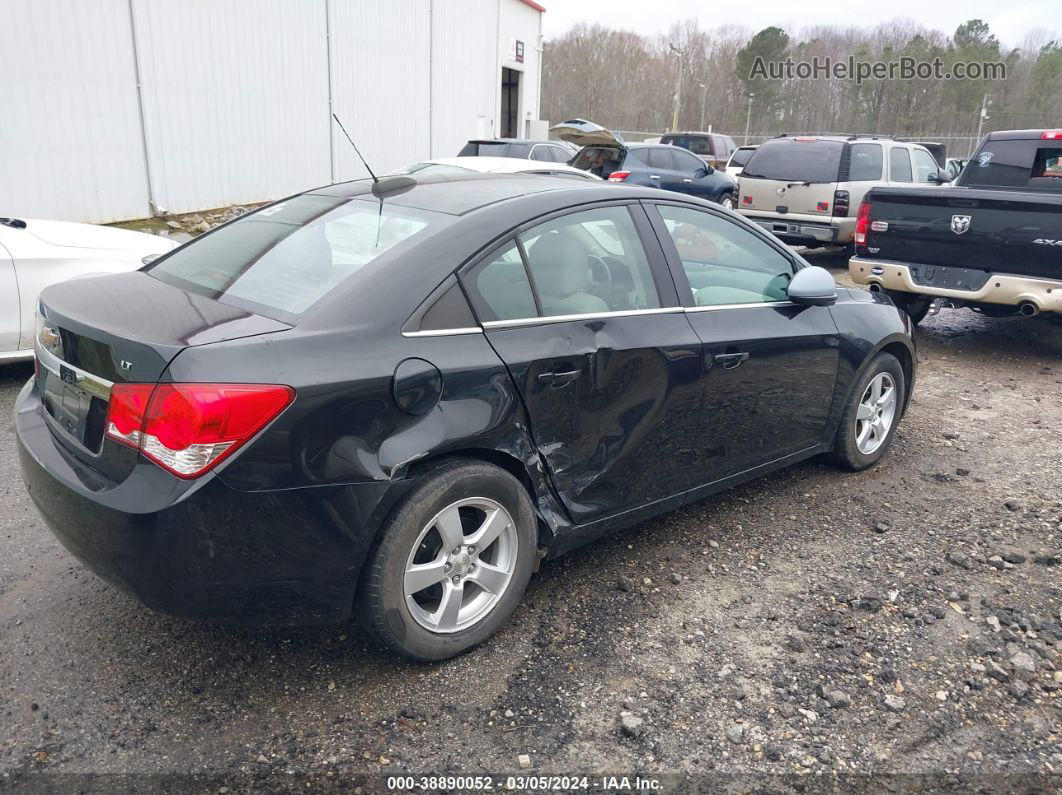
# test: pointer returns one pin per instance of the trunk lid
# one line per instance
(585, 133)
(974, 228)
(126, 328)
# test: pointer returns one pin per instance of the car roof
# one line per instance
(1019, 135)
(501, 165)
(457, 194)
(512, 141)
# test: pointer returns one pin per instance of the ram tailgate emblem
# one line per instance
(960, 224)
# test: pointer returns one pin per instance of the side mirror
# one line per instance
(812, 286)
(938, 178)
(702, 172)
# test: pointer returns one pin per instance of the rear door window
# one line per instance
(500, 288)
(866, 163)
(1032, 164)
(662, 158)
(899, 164)
(590, 261)
(283, 259)
(796, 160)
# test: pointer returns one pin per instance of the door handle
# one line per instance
(654, 176)
(731, 360)
(560, 379)
(687, 179)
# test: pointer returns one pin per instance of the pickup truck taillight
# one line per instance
(189, 428)
(862, 223)
(618, 176)
(1051, 135)
(840, 203)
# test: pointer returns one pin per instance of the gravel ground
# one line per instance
(898, 628)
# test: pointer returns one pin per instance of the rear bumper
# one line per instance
(797, 230)
(1001, 288)
(206, 551)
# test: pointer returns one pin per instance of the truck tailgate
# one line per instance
(1001, 231)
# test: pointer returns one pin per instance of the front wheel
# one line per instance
(872, 414)
(727, 200)
(452, 562)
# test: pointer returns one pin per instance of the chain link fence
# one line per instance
(956, 145)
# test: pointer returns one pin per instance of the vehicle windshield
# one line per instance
(796, 160)
(283, 259)
(481, 149)
(1032, 165)
(698, 144)
(741, 157)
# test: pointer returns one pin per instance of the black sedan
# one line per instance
(394, 399)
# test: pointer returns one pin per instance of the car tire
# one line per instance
(727, 200)
(451, 500)
(851, 449)
(916, 306)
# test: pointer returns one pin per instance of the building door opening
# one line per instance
(510, 103)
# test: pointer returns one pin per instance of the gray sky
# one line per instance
(1009, 21)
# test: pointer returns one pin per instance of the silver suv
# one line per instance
(806, 189)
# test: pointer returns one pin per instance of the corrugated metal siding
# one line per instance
(380, 83)
(235, 99)
(70, 143)
(235, 96)
(465, 73)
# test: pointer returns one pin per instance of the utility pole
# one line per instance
(704, 101)
(982, 117)
(678, 86)
(748, 117)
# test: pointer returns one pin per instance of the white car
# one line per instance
(736, 164)
(35, 254)
(494, 165)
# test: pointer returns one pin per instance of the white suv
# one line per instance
(806, 190)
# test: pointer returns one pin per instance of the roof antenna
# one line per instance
(380, 187)
(362, 159)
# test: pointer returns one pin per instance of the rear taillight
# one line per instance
(840, 203)
(1051, 135)
(618, 176)
(189, 428)
(862, 222)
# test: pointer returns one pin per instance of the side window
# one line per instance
(560, 155)
(661, 158)
(866, 163)
(924, 165)
(725, 264)
(500, 287)
(590, 261)
(687, 162)
(899, 164)
(519, 150)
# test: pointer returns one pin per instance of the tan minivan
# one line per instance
(806, 190)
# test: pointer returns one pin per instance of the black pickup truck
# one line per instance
(991, 241)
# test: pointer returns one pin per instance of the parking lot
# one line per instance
(901, 620)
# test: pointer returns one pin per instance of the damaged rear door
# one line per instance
(583, 315)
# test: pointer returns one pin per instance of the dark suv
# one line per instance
(713, 148)
(548, 151)
(650, 165)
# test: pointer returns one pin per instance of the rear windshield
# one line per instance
(1032, 165)
(698, 144)
(283, 259)
(741, 157)
(474, 148)
(794, 160)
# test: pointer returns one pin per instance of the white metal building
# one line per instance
(118, 109)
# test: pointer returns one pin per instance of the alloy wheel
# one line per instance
(461, 565)
(875, 413)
